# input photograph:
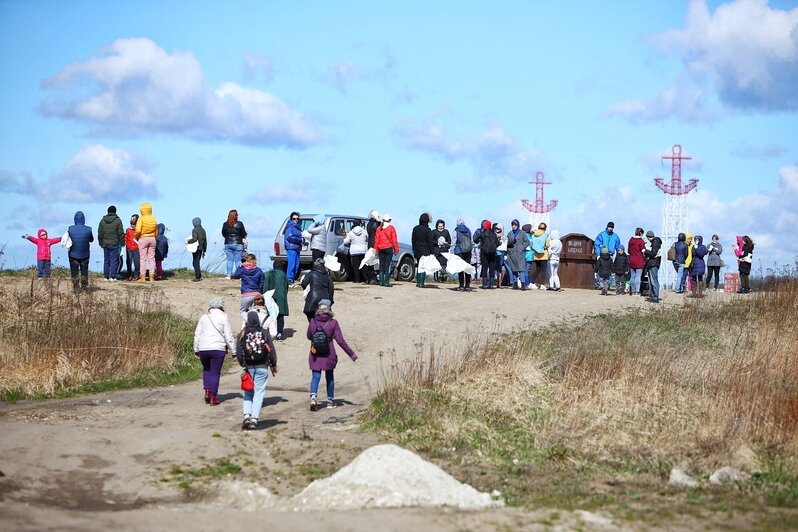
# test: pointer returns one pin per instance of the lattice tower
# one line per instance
(539, 211)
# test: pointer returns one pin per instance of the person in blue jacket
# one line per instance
(161, 251)
(81, 236)
(609, 239)
(293, 245)
(698, 267)
(680, 263)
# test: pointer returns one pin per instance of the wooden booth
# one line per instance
(577, 261)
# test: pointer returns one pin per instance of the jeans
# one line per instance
(147, 253)
(329, 377)
(653, 282)
(280, 323)
(43, 268)
(233, 253)
(681, 276)
(195, 261)
(713, 270)
(253, 400)
(637, 273)
(212, 362)
(79, 266)
(385, 256)
(132, 263)
(246, 303)
(620, 283)
(110, 260)
(293, 264)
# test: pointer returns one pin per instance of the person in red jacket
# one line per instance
(386, 244)
(43, 252)
(132, 250)
(637, 262)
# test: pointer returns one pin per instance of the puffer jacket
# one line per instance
(620, 266)
(605, 238)
(681, 249)
(697, 266)
(235, 234)
(605, 265)
(421, 238)
(81, 237)
(321, 287)
(43, 251)
(147, 224)
(358, 240)
(251, 279)
(161, 243)
(110, 232)
(293, 236)
(198, 235)
(318, 240)
(540, 244)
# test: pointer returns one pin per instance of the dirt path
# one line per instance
(114, 459)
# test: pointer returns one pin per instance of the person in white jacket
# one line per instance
(212, 338)
(358, 241)
(555, 248)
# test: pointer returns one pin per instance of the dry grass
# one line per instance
(52, 340)
(708, 383)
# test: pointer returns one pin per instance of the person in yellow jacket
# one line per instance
(146, 231)
(540, 247)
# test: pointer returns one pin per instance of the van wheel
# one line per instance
(406, 271)
(343, 273)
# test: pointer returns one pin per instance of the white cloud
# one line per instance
(681, 101)
(493, 154)
(301, 193)
(341, 73)
(95, 174)
(748, 49)
(134, 87)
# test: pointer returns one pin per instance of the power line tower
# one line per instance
(675, 218)
(539, 211)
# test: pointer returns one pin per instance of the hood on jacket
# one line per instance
(698, 239)
(358, 230)
(688, 238)
(196, 222)
(555, 235)
(515, 222)
(682, 237)
(110, 217)
(423, 219)
(318, 266)
(161, 229)
(253, 321)
(80, 219)
(739, 240)
(42, 234)
(146, 209)
(460, 221)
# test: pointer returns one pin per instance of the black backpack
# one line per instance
(464, 242)
(489, 241)
(256, 348)
(319, 343)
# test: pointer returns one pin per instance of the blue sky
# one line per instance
(403, 107)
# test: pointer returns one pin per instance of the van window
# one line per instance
(306, 223)
(339, 227)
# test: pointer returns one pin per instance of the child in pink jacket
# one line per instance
(43, 253)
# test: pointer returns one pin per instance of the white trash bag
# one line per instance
(370, 258)
(429, 265)
(331, 263)
(455, 265)
(192, 248)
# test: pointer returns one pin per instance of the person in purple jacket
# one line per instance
(324, 320)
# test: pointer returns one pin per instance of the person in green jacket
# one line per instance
(198, 235)
(277, 280)
(111, 236)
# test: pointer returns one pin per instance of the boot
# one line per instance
(484, 283)
(387, 279)
(418, 280)
(207, 396)
(423, 280)
(700, 290)
(212, 400)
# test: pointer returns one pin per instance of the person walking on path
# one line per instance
(251, 282)
(199, 236)
(43, 252)
(276, 279)
(714, 262)
(325, 322)
(161, 251)
(146, 233)
(213, 336)
(744, 250)
(318, 240)
(423, 245)
(555, 249)
(292, 241)
(635, 250)
(110, 235)
(488, 244)
(652, 254)
(81, 237)
(463, 247)
(235, 235)
(256, 354)
(132, 250)
(358, 241)
(386, 244)
(321, 288)
(517, 243)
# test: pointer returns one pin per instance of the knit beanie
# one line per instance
(649, 234)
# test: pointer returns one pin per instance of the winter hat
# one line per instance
(604, 249)
(324, 307)
(649, 234)
(374, 214)
(526, 228)
(325, 303)
(112, 210)
(621, 248)
(611, 225)
(216, 302)
(486, 225)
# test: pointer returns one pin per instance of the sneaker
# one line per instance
(253, 423)
(331, 403)
(197, 280)
(541, 287)
(245, 423)
(313, 404)
(292, 285)
(227, 277)
(279, 337)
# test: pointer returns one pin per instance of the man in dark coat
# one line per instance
(652, 254)
(110, 236)
(321, 287)
(81, 237)
(423, 244)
